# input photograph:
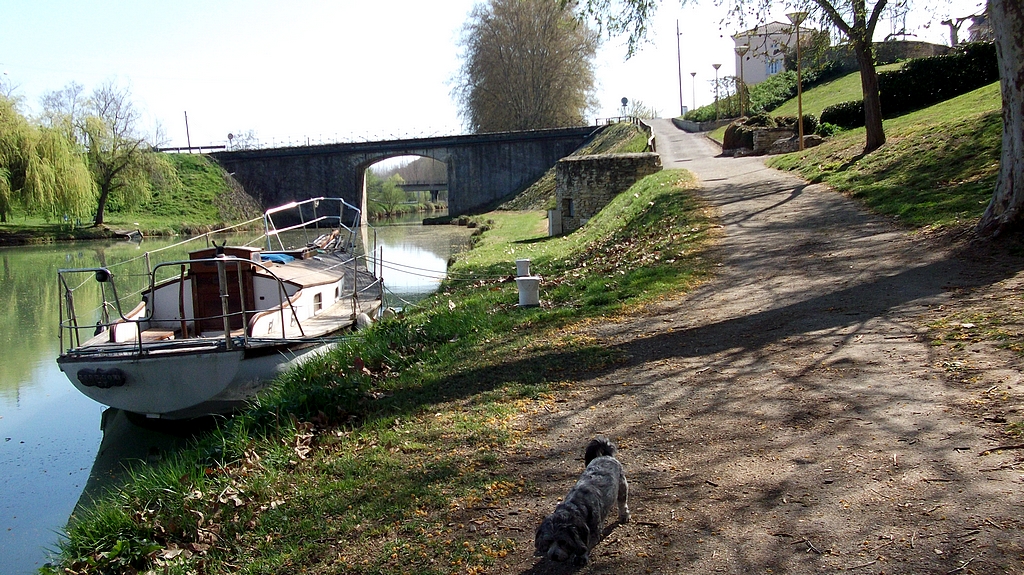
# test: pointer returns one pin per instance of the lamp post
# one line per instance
(796, 18)
(740, 51)
(716, 67)
(693, 87)
(679, 64)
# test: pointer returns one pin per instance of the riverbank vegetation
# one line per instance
(383, 455)
(83, 169)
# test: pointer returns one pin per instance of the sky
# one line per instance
(334, 70)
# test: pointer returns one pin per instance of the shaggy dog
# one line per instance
(569, 533)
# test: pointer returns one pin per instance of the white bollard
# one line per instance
(529, 291)
(522, 268)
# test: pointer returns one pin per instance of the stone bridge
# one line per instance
(482, 168)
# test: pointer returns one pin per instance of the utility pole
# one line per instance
(188, 139)
(679, 63)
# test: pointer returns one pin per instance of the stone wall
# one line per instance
(765, 137)
(585, 184)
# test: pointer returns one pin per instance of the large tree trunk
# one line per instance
(104, 195)
(1006, 210)
(872, 102)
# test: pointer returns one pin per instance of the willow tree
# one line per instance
(42, 171)
(121, 161)
(527, 64)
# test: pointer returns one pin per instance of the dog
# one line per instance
(573, 529)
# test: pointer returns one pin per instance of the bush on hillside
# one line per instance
(846, 115)
(826, 130)
(925, 81)
(773, 92)
(810, 122)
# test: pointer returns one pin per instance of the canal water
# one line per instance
(49, 432)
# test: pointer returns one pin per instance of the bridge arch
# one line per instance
(482, 168)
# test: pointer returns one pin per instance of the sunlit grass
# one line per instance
(937, 167)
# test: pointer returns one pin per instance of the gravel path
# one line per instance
(791, 415)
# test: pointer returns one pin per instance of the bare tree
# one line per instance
(527, 64)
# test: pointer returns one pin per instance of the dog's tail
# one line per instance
(598, 447)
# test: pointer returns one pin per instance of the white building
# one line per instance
(767, 49)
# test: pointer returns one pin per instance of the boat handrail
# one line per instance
(71, 324)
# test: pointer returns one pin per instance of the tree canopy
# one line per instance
(527, 64)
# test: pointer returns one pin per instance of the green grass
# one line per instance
(843, 89)
(937, 168)
(377, 457)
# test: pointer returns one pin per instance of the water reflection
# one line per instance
(50, 437)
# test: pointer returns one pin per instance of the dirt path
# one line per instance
(791, 416)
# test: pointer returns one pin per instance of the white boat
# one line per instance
(209, 332)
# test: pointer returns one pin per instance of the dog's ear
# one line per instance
(544, 536)
(581, 543)
(580, 537)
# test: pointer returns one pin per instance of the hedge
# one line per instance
(925, 81)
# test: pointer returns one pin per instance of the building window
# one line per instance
(773, 67)
(567, 208)
(318, 302)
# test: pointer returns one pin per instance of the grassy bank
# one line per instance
(198, 198)
(937, 168)
(385, 455)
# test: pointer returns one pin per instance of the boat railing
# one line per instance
(145, 313)
(299, 210)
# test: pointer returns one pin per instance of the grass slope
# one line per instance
(842, 89)
(937, 168)
(378, 457)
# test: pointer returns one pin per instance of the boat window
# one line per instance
(318, 302)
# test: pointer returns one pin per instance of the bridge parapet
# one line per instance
(482, 168)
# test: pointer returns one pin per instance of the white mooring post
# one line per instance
(522, 268)
(529, 291)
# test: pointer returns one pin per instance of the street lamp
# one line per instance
(679, 63)
(796, 18)
(716, 67)
(740, 51)
(693, 87)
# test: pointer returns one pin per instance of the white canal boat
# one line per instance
(209, 332)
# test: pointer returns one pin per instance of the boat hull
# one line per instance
(184, 383)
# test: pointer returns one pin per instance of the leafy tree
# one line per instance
(386, 194)
(120, 159)
(527, 64)
(41, 169)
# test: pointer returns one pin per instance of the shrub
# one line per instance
(846, 115)
(826, 130)
(810, 122)
(772, 93)
(922, 82)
